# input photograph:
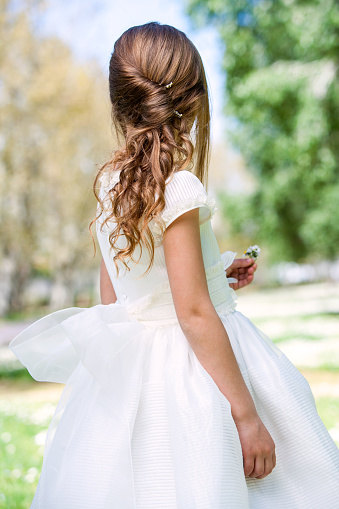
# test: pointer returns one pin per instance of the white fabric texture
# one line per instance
(141, 424)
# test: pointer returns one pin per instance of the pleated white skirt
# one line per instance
(142, 425)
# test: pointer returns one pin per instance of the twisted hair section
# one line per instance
(156, 142)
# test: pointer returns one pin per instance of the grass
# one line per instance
(307, 317)
(27, 314)
(328, 409)
(26, 410)
(325, 368)
(20, 461)
(20, 374)
(291, 336)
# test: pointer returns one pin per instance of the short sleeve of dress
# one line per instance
(185, 192)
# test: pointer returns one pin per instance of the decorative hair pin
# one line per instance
(169, 86)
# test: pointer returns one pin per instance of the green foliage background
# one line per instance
(282, 87)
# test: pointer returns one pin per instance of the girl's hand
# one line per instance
(243, 270)
(258, 448)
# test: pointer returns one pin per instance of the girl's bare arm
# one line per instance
(197, 315)
(107, 292)
(209, 340)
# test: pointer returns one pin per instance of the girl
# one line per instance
(172, 398)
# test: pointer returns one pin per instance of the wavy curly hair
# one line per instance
(160, 109)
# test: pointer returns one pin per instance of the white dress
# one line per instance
(141, 424)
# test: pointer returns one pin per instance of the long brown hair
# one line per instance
(160, 106)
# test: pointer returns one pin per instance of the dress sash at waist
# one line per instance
(158, 306)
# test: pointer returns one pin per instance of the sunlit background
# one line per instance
(273, 73)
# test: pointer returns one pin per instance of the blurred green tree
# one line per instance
(281, 59)
(55, 127)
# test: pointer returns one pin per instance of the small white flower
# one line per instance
(16, 473)
(10, 448)
(6, 437)
(252, 252)
(31, 475)
(40, 438)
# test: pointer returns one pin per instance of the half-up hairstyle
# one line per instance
(160, 106)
